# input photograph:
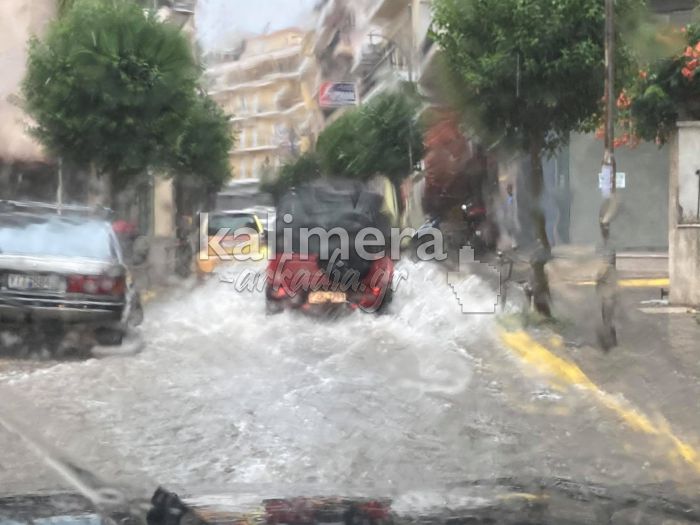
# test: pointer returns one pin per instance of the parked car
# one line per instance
(240, 234)
(64, 273)
(318, 276)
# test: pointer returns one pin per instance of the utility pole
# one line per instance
(606, 283)
(609, 155)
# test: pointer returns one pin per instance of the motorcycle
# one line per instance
(481, 233)
(475, 229)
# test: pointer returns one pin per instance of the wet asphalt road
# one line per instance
(223, 395)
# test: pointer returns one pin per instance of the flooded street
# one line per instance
(423, 396)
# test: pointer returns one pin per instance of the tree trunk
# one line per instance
(540, 284)
(109, 199)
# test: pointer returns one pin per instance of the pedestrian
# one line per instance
(511, 225)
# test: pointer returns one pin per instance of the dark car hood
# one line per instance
(503, 500)
(506, 500)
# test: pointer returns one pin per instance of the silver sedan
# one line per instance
(64, 273)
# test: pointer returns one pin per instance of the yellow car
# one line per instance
(231, 236)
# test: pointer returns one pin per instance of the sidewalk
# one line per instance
(656, 366)
(576, 262)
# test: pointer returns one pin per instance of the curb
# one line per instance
(565, 374)
(634, 282)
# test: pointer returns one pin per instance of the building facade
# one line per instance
(369, 43)
(265, 87)
(25, 170)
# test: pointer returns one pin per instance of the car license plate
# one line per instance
(326, 297)
(230, 243)
(51, 283)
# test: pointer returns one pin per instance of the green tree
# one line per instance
(531, 71)
(381, 137)
(293, 173)
(203, 147)
(111, 88)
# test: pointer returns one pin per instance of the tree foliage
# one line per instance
(113, 88)
(381, 137)
(668, 90)
(204, 145)
(531, 69)
(294, 173)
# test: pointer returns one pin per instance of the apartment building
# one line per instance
(373, 44)
(265, 87)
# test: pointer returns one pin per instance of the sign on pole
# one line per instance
(604, 180)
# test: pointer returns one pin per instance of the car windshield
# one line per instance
(350, 261)
(231, 223)
(43, 236)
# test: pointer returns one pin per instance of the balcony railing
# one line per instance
(370, 56)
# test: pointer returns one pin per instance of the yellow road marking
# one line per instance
(634, 283)
(563, 371)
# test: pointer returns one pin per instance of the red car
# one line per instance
(318, 262)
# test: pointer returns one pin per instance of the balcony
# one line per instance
(231, 85)
(380, 66)
(284, 60)
(371, 55)
(253, 149)
(244, 115)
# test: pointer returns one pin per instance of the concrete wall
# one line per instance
(684, 265)
(642, 222)
(684, 224)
